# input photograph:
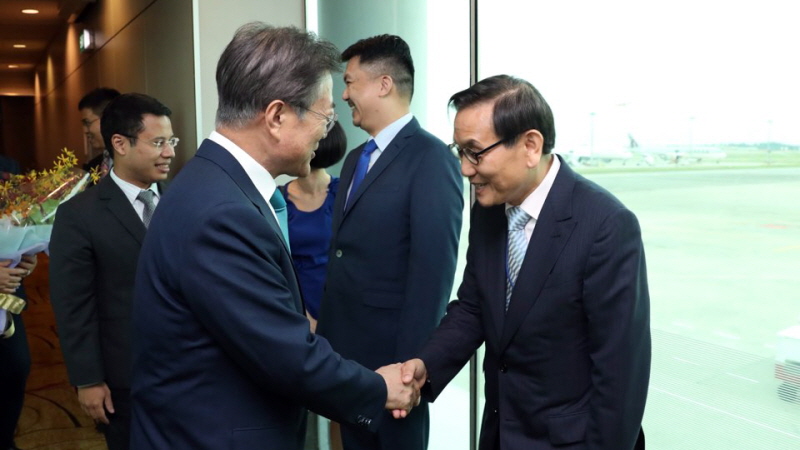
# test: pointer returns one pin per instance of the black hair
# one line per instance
(331, 148)
(388, 54)
(125, 116)
(98, 99)
(518, 107)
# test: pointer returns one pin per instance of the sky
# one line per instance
(699, 72)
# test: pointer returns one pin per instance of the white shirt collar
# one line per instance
(130, 190)
(534, 202)
(261, 178)
(387, 135)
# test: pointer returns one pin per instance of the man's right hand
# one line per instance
(412, 372)
(400, 397)
(95, 401)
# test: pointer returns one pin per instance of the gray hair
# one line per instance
(263, 64)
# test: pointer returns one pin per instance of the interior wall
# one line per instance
(344, 22)
(215, 23)
(164, 48)
(141, 46)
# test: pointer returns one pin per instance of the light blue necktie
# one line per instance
(361, 168)
(517, 246)
(279, 205)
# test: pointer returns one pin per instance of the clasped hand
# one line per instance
(403, 385)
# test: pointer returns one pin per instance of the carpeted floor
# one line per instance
(51, 418)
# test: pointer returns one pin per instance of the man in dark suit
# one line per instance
(396, 224)
(568, 338)
(91, 107)
(223, 353)
(94, 249)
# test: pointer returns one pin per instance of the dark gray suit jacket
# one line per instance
(94, 249)
(568, 365)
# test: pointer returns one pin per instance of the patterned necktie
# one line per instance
(361, 167)
(146, 196)
(279, 205)
(517, 245)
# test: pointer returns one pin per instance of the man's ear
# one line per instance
(118, 143)
(387, 84)
(534, 143)
(275, 116)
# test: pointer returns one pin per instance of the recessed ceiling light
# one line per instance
(19, 45)
(30, 11)
(13, 66)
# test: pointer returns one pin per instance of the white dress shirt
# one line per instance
(132, 191)
(534, 202)
(383, 139)
(261, 178)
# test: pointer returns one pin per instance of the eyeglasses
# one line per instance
(88, 123)
(473, 156)
(329, 120)
(158, 143)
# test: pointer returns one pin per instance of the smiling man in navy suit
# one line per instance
(555, 285)
(224, 357)
(396, 224)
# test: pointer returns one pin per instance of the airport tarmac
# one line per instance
(723, 255)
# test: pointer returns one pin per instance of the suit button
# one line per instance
(338, 253)
(503, 368)
(494, 411)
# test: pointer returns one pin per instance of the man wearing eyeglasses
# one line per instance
(94, 250)
(396, 225)
(91, 108)
(555, 286)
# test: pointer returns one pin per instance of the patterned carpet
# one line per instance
(51, 418)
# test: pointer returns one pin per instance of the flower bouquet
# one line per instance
(28, 205)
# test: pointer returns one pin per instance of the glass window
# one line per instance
(438, 34)
(688, 112)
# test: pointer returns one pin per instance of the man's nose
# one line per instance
(467, 168)
(167, 151)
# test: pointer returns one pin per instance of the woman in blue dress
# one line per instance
(309, 205)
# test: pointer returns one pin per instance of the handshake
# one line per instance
(403, 384)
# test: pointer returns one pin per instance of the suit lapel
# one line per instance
(121, 208)
(494, 267)
(552, 231)
(217, 154)
(346, 177)
(387, 156)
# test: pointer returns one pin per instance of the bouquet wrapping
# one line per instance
(28, 205)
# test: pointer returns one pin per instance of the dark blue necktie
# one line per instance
(361, 167)
(279, 205)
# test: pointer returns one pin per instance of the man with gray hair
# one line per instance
(223, 353)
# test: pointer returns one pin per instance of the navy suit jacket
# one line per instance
(223, 355)
(568, 365)
(393, 250)
(94, 249)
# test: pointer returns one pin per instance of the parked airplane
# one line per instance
(635, 154)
